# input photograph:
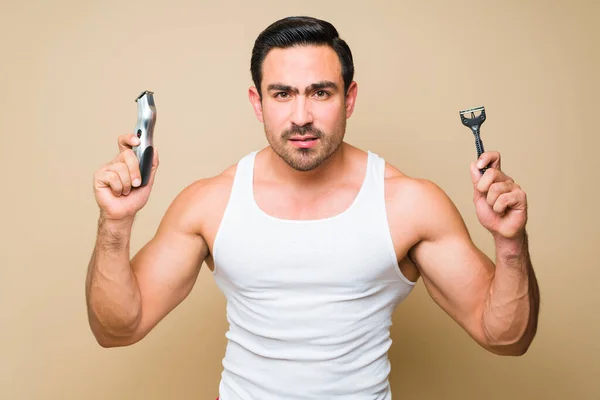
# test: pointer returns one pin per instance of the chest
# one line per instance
(303, 247)
(338, 253)
(298, 204)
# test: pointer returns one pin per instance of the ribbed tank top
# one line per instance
(309, 302)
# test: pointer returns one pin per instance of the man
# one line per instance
(313, 241)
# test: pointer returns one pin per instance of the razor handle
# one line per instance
(144, 129)
(479, 148)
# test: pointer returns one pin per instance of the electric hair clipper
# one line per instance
(145, 132)
(475, 124)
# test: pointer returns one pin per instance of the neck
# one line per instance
(331, 170)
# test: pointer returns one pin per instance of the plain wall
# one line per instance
(70, 71)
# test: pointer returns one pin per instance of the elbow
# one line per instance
(509, 350)
(108, 341)
(108, 337)
(522, 346)
(104, 342)
(509, 340)
(512, 347)
(109, 344)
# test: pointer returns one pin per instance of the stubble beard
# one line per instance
(306, 159)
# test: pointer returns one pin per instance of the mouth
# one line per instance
(304, 142)
(302, 138)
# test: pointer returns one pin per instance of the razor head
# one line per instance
(147, 97)
(144, 93)
(473, 120)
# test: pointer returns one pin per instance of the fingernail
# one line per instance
(479, 164)
(136, 182)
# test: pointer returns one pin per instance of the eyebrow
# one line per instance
(315, 86)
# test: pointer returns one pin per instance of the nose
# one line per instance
(301, 113)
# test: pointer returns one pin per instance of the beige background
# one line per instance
(70, 71)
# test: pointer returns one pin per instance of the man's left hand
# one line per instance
(500, 204)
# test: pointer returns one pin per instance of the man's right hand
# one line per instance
(126, 297)
(116, 183)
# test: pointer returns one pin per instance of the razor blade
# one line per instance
(144, 129)
(474, 122)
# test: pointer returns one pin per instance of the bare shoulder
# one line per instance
(420, 202)
(211, 189)
(194, 206)
(401, 187)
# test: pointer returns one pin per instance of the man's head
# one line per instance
(303, 76)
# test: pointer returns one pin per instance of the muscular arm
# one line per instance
(126, 299)
(496, 303)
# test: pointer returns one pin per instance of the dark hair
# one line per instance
(300, 31)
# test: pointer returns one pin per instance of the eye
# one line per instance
(322, 94)
(281, 95)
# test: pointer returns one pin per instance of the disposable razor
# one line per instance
(144, 129)
(474, 122)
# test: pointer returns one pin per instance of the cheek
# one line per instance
(328, 113)
(275, 115)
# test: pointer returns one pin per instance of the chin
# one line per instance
(305, 160)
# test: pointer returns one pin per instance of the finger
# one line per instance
(130, 159)
(121, 169)
(497, 189)
(475, 177)
(110, 179)
(515, 199)
(491, 176)
(490, 159)
(475, 174)
(127, 141)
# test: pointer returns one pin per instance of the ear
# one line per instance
(351, 98)
(256, 102)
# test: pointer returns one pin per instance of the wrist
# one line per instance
(115, 223)
(114, 233)
(513, 248)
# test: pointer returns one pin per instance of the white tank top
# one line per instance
(309, 302)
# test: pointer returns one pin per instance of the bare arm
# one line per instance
(496, 303)
(126, 299)
(512, 310)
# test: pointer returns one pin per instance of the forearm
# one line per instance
(511, 309)
(112, 292)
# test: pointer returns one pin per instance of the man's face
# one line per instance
(303, 106)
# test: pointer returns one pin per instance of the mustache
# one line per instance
(302, 130)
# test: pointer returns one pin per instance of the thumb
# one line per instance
(475, 177)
